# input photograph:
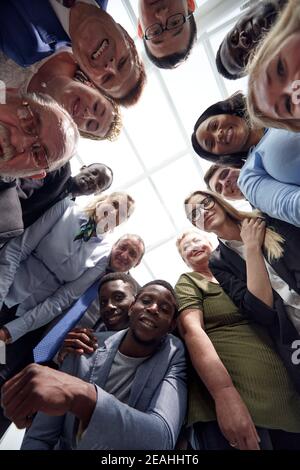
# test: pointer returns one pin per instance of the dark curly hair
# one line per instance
(222, 70)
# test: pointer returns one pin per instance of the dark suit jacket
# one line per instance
(31, 31)
(37, 196)
(11, 223)
(230, 270)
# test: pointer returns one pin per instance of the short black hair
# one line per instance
(221, 68)
(126, 278)
(173, 60)
(166, 285)
(234, 105)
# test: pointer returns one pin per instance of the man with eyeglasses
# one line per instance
(168, 30)
(36, 136)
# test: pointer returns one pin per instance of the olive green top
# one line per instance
(247, 351)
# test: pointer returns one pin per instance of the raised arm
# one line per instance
(258, 282)
(107, 422)
(236, 288)
(157, 427)
(279, 200)
(233, 416)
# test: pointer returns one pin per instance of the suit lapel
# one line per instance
(104, 357)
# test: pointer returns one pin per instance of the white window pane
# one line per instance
(183, 177)
(152, 125)
(149, 219)
(166, 263)
(141, 274)
(118, 155)
(193, 87)
(118, 12)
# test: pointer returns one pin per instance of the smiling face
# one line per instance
(91, 179)
(115, 298)
(152, 314)
(126, 254)
(92, 112)
(223, 134)
(153, 12)
(195, 249)
(34, 138)
(277, 87)
(210, 220)
(244, 37)
(103, 52)
(224, 182)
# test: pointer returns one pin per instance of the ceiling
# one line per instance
(153, 159)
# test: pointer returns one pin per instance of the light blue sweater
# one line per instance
(270, 178)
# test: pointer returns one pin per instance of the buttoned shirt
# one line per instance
(45, 271)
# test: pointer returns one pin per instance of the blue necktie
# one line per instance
(50, 344)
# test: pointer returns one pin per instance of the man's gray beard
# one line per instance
(8, 149)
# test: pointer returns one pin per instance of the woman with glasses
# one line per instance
(57, 258)
(239, 390)
(257, 263)
(96, 115)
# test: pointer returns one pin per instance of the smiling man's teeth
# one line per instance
(148, 323)
(101, 49)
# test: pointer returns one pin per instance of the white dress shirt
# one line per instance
(63, 13)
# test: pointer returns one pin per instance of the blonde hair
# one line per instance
(114, 199)
(114, 129)
(287, 24)
(273, 241)
(185, 234)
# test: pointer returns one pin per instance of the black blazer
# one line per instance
(230, 270)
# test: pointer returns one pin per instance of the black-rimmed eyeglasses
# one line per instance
(206, 204)
(173, 22)
(29, 126)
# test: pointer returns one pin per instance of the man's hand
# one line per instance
(235, 421)
(78, 341)
(39, 388)
(4, 335)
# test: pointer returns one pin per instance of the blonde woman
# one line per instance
(274, 74)
(257, 264)
(247, 393)
(56, 259)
